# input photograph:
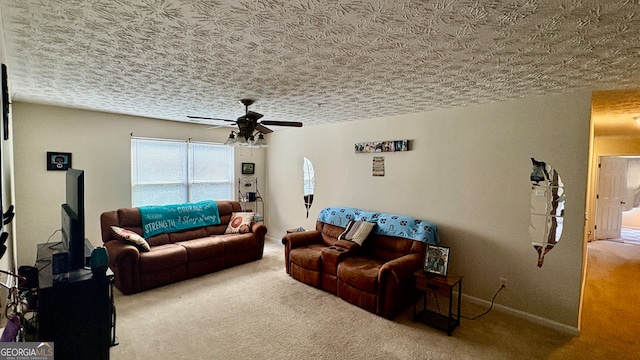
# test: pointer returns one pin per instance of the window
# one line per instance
(173, 171)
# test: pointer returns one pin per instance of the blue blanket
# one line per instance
(387, 224)
(158, 219)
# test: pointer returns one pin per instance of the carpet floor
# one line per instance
(257, 311)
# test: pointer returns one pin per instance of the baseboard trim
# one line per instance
(272, 239)
(571, 330)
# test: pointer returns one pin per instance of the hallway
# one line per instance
(611, 308)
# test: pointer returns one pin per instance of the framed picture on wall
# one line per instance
(58, 161)
(248, 168)
(436, 260)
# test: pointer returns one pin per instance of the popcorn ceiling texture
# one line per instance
(313, 61)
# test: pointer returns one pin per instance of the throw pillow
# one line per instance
(132, 237)
(357, 231)
(240, 223)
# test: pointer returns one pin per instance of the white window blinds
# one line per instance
(172, 171)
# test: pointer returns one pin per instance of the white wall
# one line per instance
(468, 172)
(100, 145)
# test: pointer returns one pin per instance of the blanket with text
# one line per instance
(159, 219)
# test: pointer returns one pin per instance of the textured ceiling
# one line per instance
(314, 61)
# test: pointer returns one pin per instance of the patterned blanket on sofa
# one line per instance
(387, 224)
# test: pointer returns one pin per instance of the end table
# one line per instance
(443, 286)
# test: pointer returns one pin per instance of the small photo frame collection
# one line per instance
(436, 260)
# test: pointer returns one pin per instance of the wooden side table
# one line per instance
(444, 287)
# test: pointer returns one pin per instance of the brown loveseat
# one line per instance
(376, 276)
(179, 255)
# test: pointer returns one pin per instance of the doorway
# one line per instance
(618, 199)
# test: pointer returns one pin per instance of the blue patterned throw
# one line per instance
(159, 219)
(388, 224)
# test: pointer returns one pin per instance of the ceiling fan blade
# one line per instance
(220, 126)
(282, 123)
(208, 118)
(263, 129)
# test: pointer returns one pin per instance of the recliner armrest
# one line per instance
(124, 260)
(403, 267)
(301, 238)
(259, 229)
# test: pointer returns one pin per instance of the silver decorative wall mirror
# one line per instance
(547, 208)
(309, 183)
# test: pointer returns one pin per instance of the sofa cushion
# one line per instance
(163, 257)
(237, 242)
(240, 223)
(357, 231)
(203, 248)
(185, 235)
(360, 273)
(131, 237)
(157, 240)
(308, 257)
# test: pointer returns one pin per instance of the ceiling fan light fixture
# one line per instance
(251, 141)
(230, 140)
(261, 142)
(242, 141)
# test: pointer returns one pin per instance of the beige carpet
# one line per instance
(256, 311)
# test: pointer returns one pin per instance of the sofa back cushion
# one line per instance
(225, 208)
(386, 248)
(329, 232)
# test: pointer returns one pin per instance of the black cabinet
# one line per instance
(76, 314)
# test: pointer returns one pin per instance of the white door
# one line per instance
(612, 180)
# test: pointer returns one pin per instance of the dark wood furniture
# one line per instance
(442, 286)
(78, 314)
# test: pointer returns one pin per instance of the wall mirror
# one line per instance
(309, 183)
(547, 208)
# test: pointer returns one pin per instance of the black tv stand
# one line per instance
(77, 315)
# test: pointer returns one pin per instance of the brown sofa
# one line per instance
(376, 276)
(179, 255)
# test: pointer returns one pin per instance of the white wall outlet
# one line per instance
(504, 282)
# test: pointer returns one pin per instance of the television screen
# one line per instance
(73, 218)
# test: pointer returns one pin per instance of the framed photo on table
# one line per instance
(248, 168)
(436, 260)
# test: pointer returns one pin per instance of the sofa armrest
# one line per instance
(395, 283)
(301, 238)
(124, 260)
(402, 268)
(260, 231)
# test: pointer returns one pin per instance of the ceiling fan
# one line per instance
(249, 127)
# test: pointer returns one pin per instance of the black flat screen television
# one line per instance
(73, 219)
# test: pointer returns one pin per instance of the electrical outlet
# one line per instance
(504, 282)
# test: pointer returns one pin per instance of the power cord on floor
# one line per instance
(490, 307)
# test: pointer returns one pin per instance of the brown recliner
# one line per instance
(376, 276)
